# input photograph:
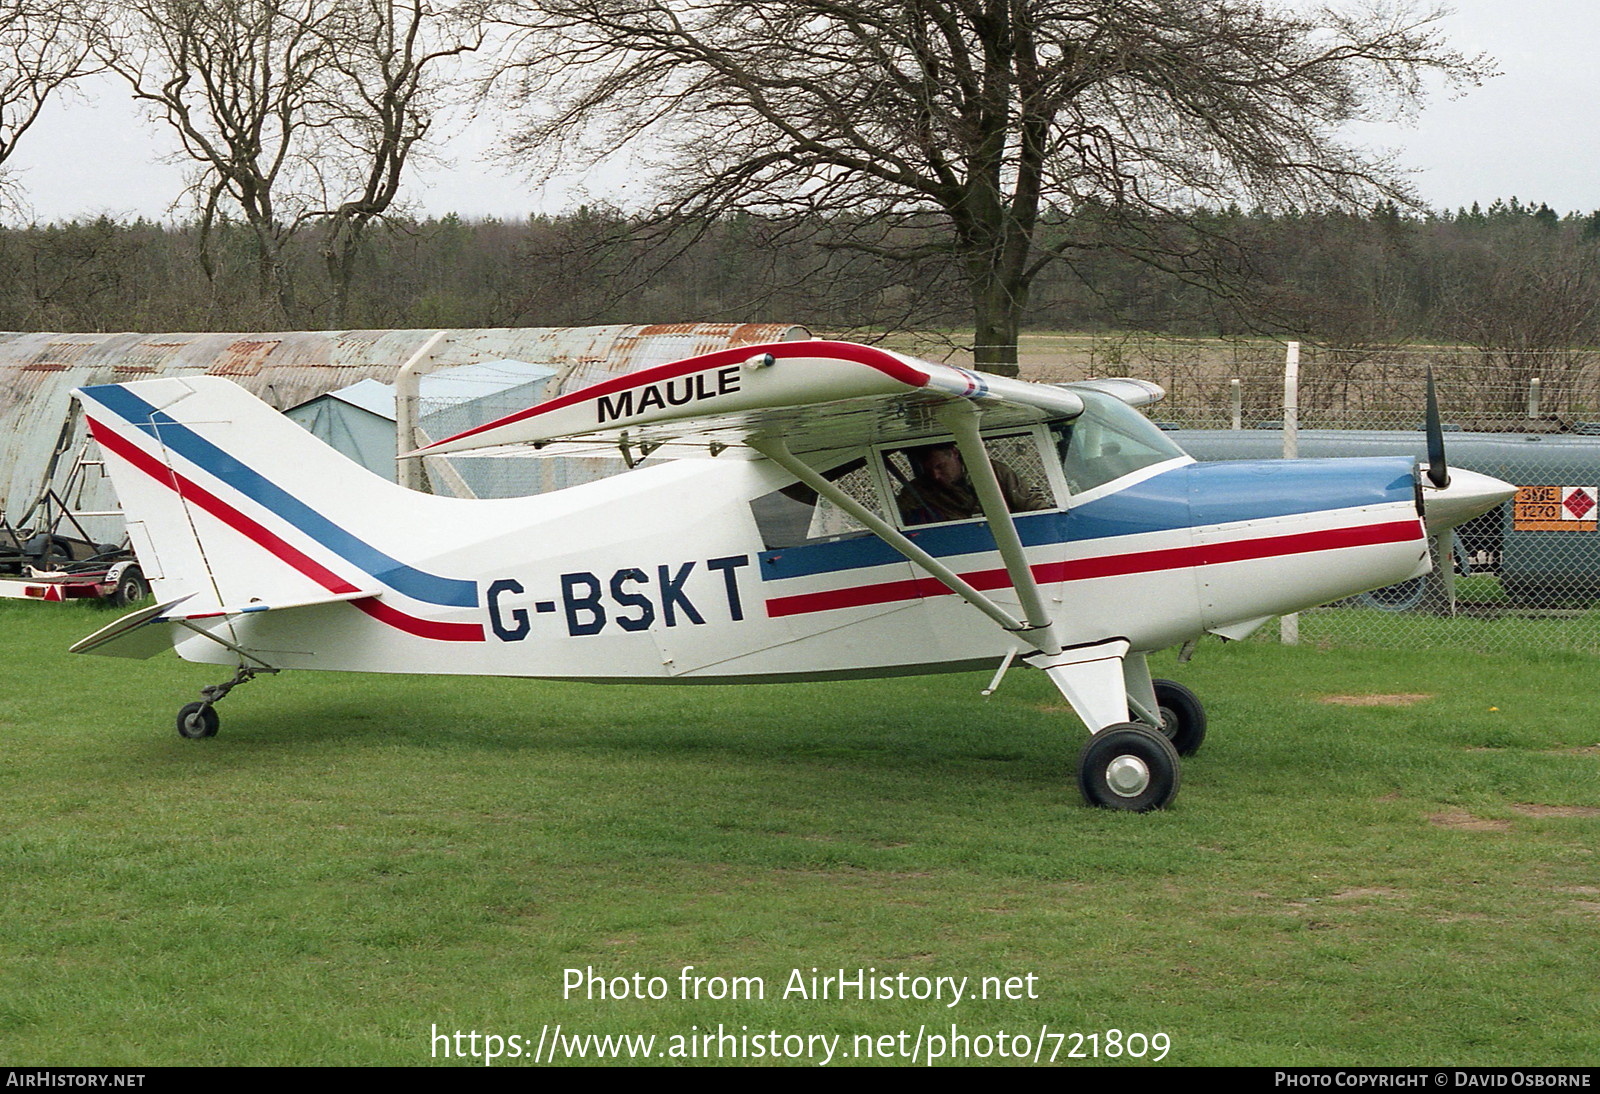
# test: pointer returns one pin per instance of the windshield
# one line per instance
(1108, 440)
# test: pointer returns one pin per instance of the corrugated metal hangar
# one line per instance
(41, 430)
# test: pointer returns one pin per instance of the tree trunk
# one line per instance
(339, 254)
(277, 283)
(997, 309)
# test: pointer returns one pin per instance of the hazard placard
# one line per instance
(1556, 508)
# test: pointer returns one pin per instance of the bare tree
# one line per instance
(238, 81)
(1036, 129)
(294, 111)
(1529, 300)
(43, 45)
(382, 105)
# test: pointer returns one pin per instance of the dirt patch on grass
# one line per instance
(1466, 822)
(1460, 818)
(1352, 899)
(1366, 893)
(1404, 700)
(1528, 809)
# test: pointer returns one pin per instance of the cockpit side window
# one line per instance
(1107, 441)
(931, 485)
(920, 484)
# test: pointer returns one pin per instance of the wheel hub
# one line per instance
(1127, 776)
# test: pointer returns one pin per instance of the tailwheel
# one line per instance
(198, 720)
(1130, 767)
(1183, 718)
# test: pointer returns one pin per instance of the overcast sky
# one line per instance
(1524, 133)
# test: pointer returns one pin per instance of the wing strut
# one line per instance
(961, 418)
(775, 450)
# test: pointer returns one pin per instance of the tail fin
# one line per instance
(232, 507)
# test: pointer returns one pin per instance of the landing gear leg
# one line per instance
(199, 720)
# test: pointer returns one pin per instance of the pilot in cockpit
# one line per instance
(940, 490)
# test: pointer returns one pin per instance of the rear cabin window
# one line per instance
(795, 514)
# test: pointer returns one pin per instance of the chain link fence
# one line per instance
(1525, 573)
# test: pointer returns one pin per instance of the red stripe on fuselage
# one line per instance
(422, 628)
(191, 491)
(1080, 569)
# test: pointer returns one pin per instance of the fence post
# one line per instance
(1291, 402)
(1236, 398)
(1533, 399)
(1289, 627)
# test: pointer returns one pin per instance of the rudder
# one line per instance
(236, 507)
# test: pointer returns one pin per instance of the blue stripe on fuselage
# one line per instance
(1195, 495)
(425, 587)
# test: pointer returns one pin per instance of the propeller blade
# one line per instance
(1438, 469)
(1446, 563)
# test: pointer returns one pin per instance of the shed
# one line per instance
(359, 421)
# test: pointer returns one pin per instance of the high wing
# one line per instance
(816, 396)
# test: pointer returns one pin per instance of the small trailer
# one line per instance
(122, 583)
(54, 558)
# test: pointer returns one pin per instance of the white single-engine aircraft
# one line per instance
(836, 510)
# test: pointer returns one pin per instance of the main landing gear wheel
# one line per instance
(1183, 718)
(198, 720)
(1129, 767)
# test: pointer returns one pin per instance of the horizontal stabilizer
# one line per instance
(137, 634)
(261, 606)
(134, 635)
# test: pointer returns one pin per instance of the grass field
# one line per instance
(1406, 875)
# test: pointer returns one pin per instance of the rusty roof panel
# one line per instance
(39, 371)
(244, 357)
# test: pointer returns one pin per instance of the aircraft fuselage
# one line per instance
(662, 575)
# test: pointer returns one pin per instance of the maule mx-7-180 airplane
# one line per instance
(834, 510)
